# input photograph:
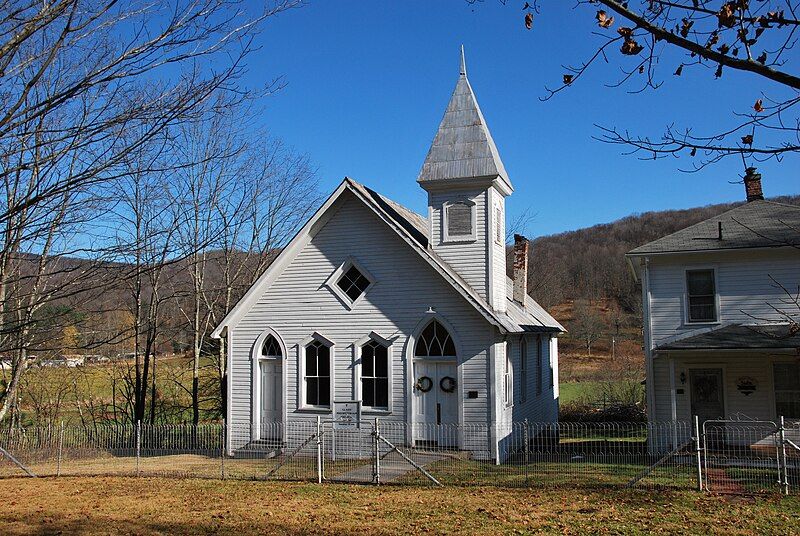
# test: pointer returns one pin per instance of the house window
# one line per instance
(539, 372)
(271, 348)
(353, 283)
(550, 354)
(435, 341)
(498, 225)
(787, 389)
(508, 380)
(523, 369)
(375, 375)
(459, 220)
(317, 374)
(701, 295)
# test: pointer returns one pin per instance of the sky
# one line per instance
(367, 83)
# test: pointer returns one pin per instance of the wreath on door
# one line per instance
(424, 384)
(447, 384)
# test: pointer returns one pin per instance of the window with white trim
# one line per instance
(459, 221)
(353, 283)
(317, 374)
(787, 389)
(350, 282)
(508, 380)
(523, 369)
(271, 348)
(374, 375)
(701, 295)
(435, 341)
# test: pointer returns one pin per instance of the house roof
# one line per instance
(463, 147)
(739, 336)
(757, 224)
(414, 229)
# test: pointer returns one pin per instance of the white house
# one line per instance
(412, 315)
(721, 314)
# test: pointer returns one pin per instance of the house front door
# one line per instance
(271, 398)
(706, 394)
(435, 403)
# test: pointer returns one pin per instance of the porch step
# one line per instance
(267, 448)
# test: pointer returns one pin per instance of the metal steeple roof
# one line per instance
(463, 148)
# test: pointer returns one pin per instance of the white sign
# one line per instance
(346, 414)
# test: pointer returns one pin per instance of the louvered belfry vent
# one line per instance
(459, 219)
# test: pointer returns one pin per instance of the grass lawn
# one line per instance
(119, 505)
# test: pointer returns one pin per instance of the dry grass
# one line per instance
(159, 506)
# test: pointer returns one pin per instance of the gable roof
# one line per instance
(463, 147)
(757, 224)
(414, 230)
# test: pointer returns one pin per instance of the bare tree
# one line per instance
(587, 325)
(84, 84)
(650, 39)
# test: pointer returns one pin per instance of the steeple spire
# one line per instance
(463, 148)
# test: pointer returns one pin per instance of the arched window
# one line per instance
(271, 348)
(435, 341)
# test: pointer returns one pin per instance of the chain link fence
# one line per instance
(720, 456)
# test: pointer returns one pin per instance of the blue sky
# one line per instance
(367, 84)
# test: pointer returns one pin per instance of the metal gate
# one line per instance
(746, 456)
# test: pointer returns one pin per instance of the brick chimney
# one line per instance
(752, 184)
(520, 268)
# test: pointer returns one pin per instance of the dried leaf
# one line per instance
(529, 20)
(641, 69)
(624, 31)
(723, 48)
(567, 79)
(727, 15)
(630, 47)
(762, 58)
(694, 151)
(603, 20)
(712, 39)
(679, 70)
(718, 72)
(758, 107)
(747, 140)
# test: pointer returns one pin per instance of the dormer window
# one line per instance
(350, 282)
(701, 296)
(459, 221)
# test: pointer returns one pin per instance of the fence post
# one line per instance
(526, 441)
(319, 450)
(697, 453)
(138, 444)
(60, 447)
(223, 450)
(377, 450)
(783, 474)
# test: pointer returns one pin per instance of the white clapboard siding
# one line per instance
(298, 304)
(537, 407)
(468, 259)
(743, 284)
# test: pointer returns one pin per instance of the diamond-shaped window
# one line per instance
(353, 283)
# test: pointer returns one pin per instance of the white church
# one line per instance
(412, 316)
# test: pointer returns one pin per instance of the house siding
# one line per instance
(744, 288)
(298, 304)
(537, 407)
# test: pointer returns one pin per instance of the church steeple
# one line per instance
(463, 147)
(467, 185)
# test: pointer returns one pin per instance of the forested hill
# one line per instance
(590, 263)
